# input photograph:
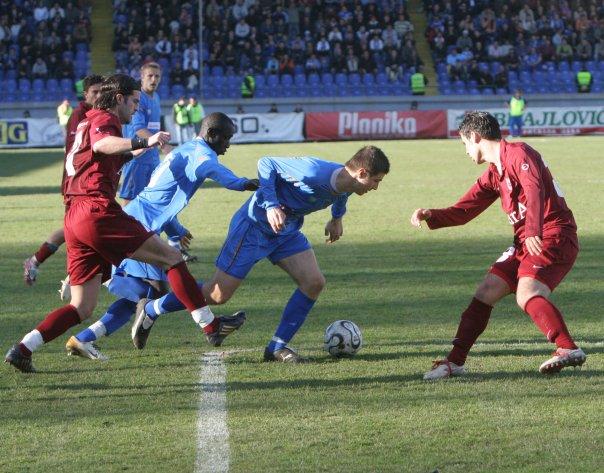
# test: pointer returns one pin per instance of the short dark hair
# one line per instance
(372, 159)
(216, 123)
(91, 80)
(114, 85)
(483, 123)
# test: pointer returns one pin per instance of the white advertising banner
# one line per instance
(257, 127)
(31, 132)
(543, 120)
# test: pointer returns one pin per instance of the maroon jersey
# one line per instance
(76, 117)
(530, 197)
(94, 174)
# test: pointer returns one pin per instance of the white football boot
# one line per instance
(84, 349)
(65, 291)
(562, 358)
(442, 369)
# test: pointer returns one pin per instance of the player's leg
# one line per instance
(47, 249)
(500, 281)
(304, 270)
(83, 301)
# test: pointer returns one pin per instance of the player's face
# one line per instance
(223, 141)
(365, 182)
(472, 148)
(92, 94)
(127, 106)
(150, 79)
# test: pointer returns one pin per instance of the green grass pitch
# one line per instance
(405, 288)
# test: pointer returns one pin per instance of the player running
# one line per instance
(544, 250)
(97, 231)
(171, 188)
(268, 226)
(92, 89)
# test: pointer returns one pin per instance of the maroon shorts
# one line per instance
(556, 260)
(98, 234)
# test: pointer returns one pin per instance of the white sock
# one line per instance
(33, 340)
(147, 322)
(203, 316)
(98, 328)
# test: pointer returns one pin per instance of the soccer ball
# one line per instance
(342, 339)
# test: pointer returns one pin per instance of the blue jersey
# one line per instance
(299, 186)
(174, 182)
(147, 116)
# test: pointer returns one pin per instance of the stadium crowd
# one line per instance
(536, 45)
(284, 38)
(46, 41)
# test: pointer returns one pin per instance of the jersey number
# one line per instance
(75, 147)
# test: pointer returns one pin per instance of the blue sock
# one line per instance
(166, 304)
(116, 316)
(294, 315)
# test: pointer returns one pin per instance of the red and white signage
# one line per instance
(376, 125)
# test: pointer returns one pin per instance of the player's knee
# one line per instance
(313, 285)
(84, 310)
(522, 298)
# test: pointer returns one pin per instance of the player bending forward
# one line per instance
(268, 226)
(545, 242)
(97, 231)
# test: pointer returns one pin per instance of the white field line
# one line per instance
(212, 431)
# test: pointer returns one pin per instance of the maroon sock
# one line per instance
(549, 320)
(473, 322)
(58, 322)
(185, 287)
(46, 250)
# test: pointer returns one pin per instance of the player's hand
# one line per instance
(166, 149)
(160, 139)
(276, 218)
(533, 245)
(419, 215)
(334, 230)
(185, 240)
(252, 184)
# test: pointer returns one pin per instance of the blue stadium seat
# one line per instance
(368, 79)
(313, 80)
(177, 90)
(81, 47)
(298, 69)
(487, 91)
(11, 74)
(576, 66)
(10, 85)
(501, 91)
(260, 93)
(217, 71)
(287, 80)
(473, 91)
(272, 81)
(381, 78)
(300, 80)
(326, 78)
(24, 85)
(260, 81)
(354, 79)
(563, 66)
(52, 85)
(340, 79)
(37, 85)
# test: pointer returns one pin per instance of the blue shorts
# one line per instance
(136, 177)
(133, 289)
(246, 244)
(142, 270)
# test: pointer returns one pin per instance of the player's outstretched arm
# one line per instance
(334, 230)
(116, 145)
(166, 148)
(419, 215)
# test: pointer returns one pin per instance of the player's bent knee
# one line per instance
(312, 287)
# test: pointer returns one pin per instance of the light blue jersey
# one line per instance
(172, 185)
(147, 116)
(299, 186)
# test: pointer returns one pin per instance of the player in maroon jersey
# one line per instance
(92, 89)
(99, 233)
(544, 250)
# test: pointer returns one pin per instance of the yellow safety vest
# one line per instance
(516, 107)
(182, 117)
(195, 112)
(417, 83)
(64, 113)
(584, 78)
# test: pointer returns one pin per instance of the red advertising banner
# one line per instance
(376, 125)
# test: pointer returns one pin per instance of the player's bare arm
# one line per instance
(334, 229)
(165, 148)
(276, 218)
(419, 215)
(116, 145)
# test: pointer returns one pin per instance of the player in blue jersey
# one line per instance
(268, 226)
(145, 122)
(170, 189)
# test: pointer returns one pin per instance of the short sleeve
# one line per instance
(103, 126)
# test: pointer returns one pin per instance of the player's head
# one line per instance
(92, 88)
(475, 128)
(150, 77)
(120, 95)
(367, 167)
(217, 129)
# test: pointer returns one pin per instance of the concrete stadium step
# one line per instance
(103, 61)
(418, 18)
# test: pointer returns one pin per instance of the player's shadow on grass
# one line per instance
(24, 190)
(30, 160)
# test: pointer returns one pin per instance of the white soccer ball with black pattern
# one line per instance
(343, 339)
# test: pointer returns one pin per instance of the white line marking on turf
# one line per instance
(212, 430)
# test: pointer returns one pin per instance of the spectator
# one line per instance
(418, 82)
(248, 86)
(239, 10)
(286, 65)
(177, 75)
(313, 64)
(480, 76)
(163, 47)
(352, 62)
(196, 114)
(464, 41)
(394, 68)
(584, 50)
(367, 64)
(584, 80)
(564, 51)
(66, 68)
(532, 59)
(240, 110)
(273, 108)
(39, 69)
(24, 70)
(272, 65)
(242, 29)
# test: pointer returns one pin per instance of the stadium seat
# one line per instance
(11, 74)
(313, 80)
(487, 91)
(327, 78)
(576, 66)
(381, 78)
(287, 80)
(10, 85)
(341, 79)
(260, 81)
(37, 85)
(217, 71)
(24, 85)
(300, 80)
(354, 79)
(368, 79)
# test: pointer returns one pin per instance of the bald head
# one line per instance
(217, 130)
